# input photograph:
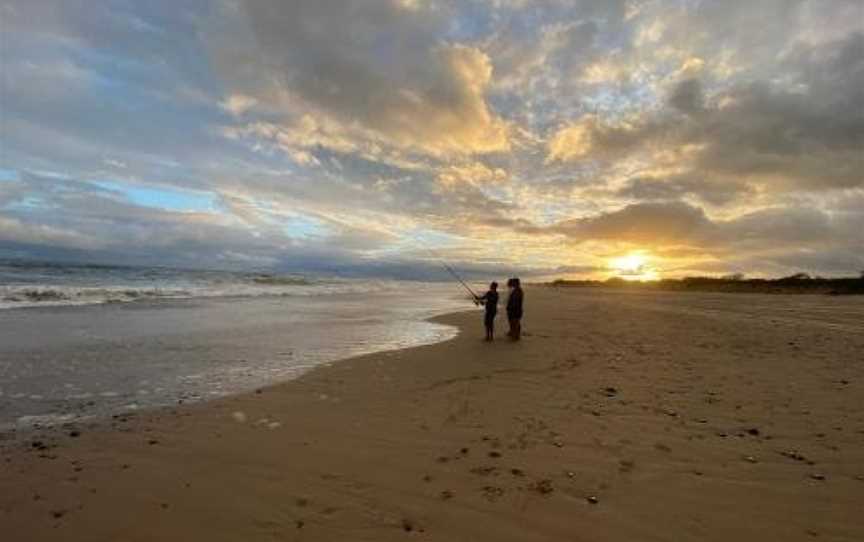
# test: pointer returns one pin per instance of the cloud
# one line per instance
(471, 173)
(594, 138)
(777, 235)
(718, 135)
(71, 214)
(643, 224)
(237, 104)
(807, 133)
(374, 72)
(676, 187)
(688, 97)
(12, 229)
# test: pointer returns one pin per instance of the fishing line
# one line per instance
(448, 268)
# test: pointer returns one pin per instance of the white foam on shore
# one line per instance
(56, 295)
(45, 419)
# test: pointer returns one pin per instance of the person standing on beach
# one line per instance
(514, 308)
(490, 300)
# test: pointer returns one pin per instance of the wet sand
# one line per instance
(76, 362)
(623, 416)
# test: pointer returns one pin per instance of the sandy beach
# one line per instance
(622, 416)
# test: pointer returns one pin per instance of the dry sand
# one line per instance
(623, 416)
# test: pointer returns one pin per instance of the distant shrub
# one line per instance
(799, 283)
(796, 277)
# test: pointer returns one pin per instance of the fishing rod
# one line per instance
(450, 270)
(462, 282)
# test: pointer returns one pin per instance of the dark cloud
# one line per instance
(687, 96)
(379, 65)
(644, 223)
(806, 133)
(710, 191)
(680, 223)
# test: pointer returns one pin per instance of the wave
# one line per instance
(21, 296)
(281, 281)
(30, 296)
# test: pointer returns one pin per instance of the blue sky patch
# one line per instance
(9, 175)
(168, 199)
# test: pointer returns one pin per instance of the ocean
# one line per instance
(79, 342)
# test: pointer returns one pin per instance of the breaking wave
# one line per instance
(281, 281)
(29, 296)
(44, 295)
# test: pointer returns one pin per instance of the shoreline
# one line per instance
(619, 417)
(96, 361)
(103, 421)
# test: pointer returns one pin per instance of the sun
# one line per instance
(631, 263)
(633, 266)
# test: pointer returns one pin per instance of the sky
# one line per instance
(583, 138)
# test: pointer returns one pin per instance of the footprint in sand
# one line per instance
(492, 493)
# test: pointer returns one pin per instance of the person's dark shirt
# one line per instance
(514, 304)
(490, 299)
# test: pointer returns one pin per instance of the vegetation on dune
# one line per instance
(799, 283)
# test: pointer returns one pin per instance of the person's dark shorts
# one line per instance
(489, 319)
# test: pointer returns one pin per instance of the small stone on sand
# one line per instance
(544, 487)
(792, 454)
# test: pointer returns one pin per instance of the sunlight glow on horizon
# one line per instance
(634, 265)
